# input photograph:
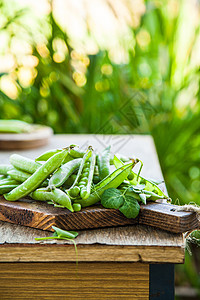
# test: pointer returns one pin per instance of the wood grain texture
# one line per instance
(43, 216)
(91, 253)
(141, 146)
(137, 235)
(65, 281)
(37, 138)
(136, 243)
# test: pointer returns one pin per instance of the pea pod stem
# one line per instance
(140, 169)
(37, 178)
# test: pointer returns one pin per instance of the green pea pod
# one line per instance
(46, 155)
(104, 163)
(56, 195)
(7, 188)
(149, 186)
(74, 189)
(75, 153)
(63, 233)
(121, 157)
(18, 175)
(4, 168)
(23, 163)
(22, 176)
(63, 173)
(68, 183)
(85, 190)
(14, 126)
(37, 178)
(8, 181)
(113, 180)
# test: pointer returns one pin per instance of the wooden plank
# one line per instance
(137, 235)
(43, 216)
(65, 281)
(91, 253)
(137, 243)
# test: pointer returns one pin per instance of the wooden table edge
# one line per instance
(91, 253)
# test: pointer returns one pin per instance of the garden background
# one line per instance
(111, 67)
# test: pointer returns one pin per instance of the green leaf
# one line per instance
(130, 208)
(112, 198)
(128, 205)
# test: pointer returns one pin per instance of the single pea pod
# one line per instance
(76, 153)
(103, 163)
(22, 176)
(7, 188)
(89, 172)
(8, 181)
(14, 126)
(113, 180)
(149, 186)
(74, 189)
(63, 173)
(4, 168)
(37, 178)
(46, 155)
(121, 157)
(55, 195)
(18, 175)
(24, 164)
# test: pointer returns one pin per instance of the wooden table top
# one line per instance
(137, 243)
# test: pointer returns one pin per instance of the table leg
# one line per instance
(161, 282)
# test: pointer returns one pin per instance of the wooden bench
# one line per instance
(130, 262)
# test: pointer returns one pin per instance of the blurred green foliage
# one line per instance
(145, 95)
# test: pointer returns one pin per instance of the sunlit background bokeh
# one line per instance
(73, 65)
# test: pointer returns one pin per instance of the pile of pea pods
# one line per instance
(72, 179)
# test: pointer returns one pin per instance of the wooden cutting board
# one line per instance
(17, 141)
(43, 216)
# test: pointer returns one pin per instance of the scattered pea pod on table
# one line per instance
(14, 126)
(72, 178)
